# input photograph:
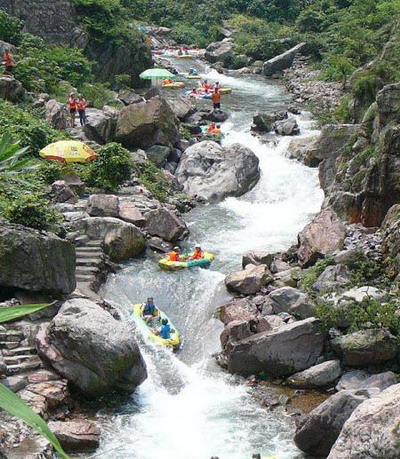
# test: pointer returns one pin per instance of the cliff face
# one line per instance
(55, 21)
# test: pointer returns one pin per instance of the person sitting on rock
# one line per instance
(174, 255)
(149, 310)
(216, 99)
(8, 61)
(198, 254)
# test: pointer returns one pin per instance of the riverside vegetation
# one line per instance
(336, 293)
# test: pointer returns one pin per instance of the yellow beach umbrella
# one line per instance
(68, 151)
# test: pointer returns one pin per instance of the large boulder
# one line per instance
(101, 124)
(182, 107)
(239, 309)
(165, 224)
(332, 278)
(213, 173)
(321, 375)
(287, 127)
(11, 89)
(95, 352)
(102, 205)
(76, 436)
(323, 236)
(257, 257)
(264, 122)
(146, 124)
(34, 261)
(250, 280)
(279, 63)
(284, 351)
(366, 347)
(318, 431)
(220, 51)
(129, 212)
(121, 239)
(56, 114)
(360, 379)
(372, 430)
(158, 154)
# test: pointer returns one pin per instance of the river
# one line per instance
(189, 408)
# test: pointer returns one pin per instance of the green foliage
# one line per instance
(312, 274)
(338, 68)
(111, 169)
(8, 313)
(187, 34)
(122, 81)
(368, 313)
(365, 85)
(10, 28)
(97, 94)
(369, 272)
(31, 131)
(154, 180)
(33, 210)
(12, 158)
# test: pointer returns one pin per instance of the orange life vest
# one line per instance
(173, 256)
(216, 97)
(72, 103)
(81, 104)
(8, 60)
(197, 255)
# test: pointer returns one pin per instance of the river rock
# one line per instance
(165, 224)
(279, 63)
(236, 331)
(76, 436)
(146, 124)
(208, 171)
(282, 299)
(128, 211)
(35, 261)
(286, 127)
(221, 51)
(300, 150)
(372, 430)
(360, 379)
(257, 257)
(182, 107)
(129, 97)
(56, 114)
(323, 236)
(101, 124)
(366, 347)
(11, 89)
(121, 240)
(62, 192)
(95, 352)
(318, 431)
(216, 116)
(158, 154)
(321, 375)
(239, 310)
(102, 205)
(284, 351)
(264, 122)
(332, 278)
(250, 280)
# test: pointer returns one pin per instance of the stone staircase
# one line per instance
(90, 259)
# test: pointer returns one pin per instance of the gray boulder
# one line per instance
(366, 347)
(280, 352)
(102, 205)
(264, 122)
(77, 435)
(323, 236)
(257, 257)
(62, 192)
(332, 278)
(165, 224)
(359, 379)
(318, 431)
(287, 127)
(95, 352)
(129, 212)
(35, 261)
(129, 97)
(221, 51)
(158, 154)
(11, 89)
(282, 299)
(321, 375)
(182, 107)
(213, 173)
(372, 431)
(250, 280)
(280, 63)
(56, 114)
(101, 125)
(146, 124)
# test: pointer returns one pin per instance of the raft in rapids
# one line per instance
(175, 339)
(168, 265)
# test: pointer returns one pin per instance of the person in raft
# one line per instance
(81, 105)
(174, 255)
(149, 310)
(167, 81)
(198, 254)
(211, 128)
(217, 130)
(216, 100)
(193, 72)
(8, 61)
(72, 105)
(165, 330)
(206, 86)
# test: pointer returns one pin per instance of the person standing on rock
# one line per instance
(8, 61)
(81, 105)
(216, 99)
(72, 105)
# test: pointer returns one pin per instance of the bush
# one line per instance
(97, 94)
(33, 210)
(312, 274)
(122, 81)
(111, 169)
(10, 28)
(154, 180)
(189, 35)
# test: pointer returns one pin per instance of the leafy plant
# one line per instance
(111, 169)
(11, 402)
(10, 28)
(97, 94)
(312, 274)
(122, 81)
(154, 180)
(12, 158)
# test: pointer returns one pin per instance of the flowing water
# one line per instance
(188, 408)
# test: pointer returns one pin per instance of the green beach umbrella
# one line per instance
(156, 74)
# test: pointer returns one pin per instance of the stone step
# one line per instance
(15, 359)
(93, 261)
(86, 269)
(24, 367)
(86, 278)
(94, 242)
(9, 344)
(11, 335)
(88, 251)
(24, 350)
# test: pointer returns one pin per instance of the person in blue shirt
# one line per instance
(165, 330)
(149, 310)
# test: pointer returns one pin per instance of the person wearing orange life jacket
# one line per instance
(72, 105)
(198, 254)
(216, 99)
(8, 61)
(217, 130)
(174, 255)
(167, 81)
(206, 86)
(211, 128)
(81, 106)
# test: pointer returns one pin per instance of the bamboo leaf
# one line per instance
(8, 313)
(15, 406)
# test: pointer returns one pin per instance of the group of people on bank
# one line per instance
(77, 104)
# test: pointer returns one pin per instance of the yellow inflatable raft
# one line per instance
(176, 85)
(204, 262)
